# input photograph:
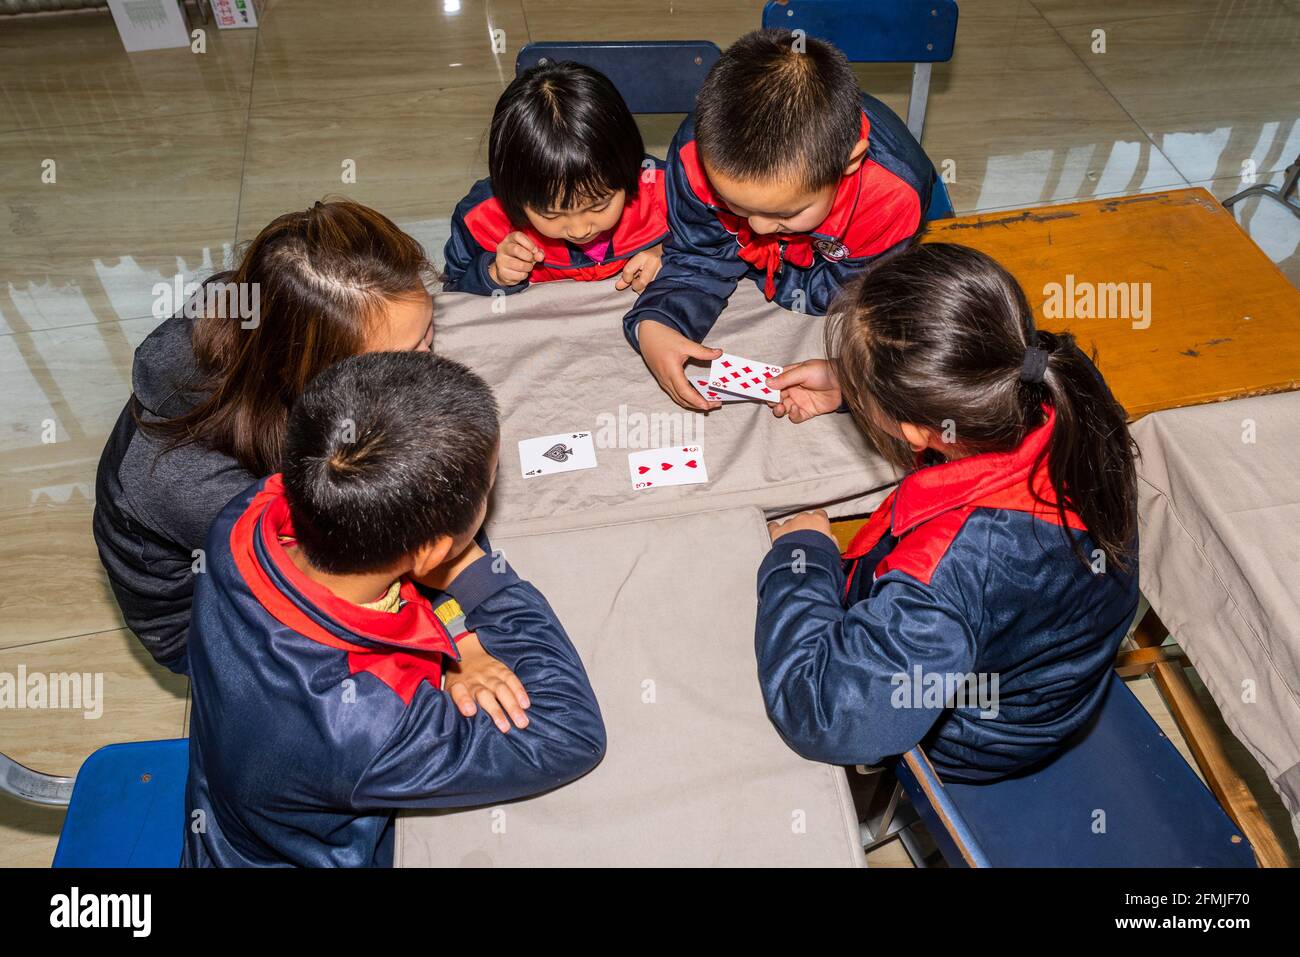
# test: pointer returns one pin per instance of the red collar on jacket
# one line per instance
(987, 480)
(413, 640)
(853, 228)
(644, 223)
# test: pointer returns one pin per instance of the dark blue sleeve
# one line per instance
(812, 290)
(835, 680)
(466, 262)
(700, 266)
(436, 757)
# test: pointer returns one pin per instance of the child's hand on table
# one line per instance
(814, 521)
(665, 351)
(808, 389)
(516, 257)
(478, 679)
(641, 269)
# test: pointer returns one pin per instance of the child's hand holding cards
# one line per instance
(744, 378)
(566, 452)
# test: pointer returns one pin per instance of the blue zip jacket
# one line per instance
(314, 719)
(877, 208)
(958, 573)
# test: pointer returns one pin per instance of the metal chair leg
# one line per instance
(1284, 194)
(917, 101)
(33, 786)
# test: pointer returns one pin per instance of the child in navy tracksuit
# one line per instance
(572, 193)
(328, 690)
(786, 174)
(979, 610)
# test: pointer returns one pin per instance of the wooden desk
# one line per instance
(1224, 322)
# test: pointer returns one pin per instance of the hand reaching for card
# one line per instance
(814, 521)
(479, 680)
(665, 351)
(641, 269)
(516, 257)
(808, 389)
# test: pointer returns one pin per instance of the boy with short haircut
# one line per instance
(318, 666)
(785, 173)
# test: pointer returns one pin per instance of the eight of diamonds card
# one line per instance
(744, 377)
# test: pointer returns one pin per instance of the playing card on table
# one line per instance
(676, 465)
(700, 382)
(743, 377)
(547, 454)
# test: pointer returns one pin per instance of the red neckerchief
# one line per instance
(767, 252)
(1017, 480)
(408, 644)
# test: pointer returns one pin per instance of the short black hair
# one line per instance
(387, 452)
(561, 134)
(767, 110)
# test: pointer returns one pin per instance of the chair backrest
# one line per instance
(128, 807)
(1118, 795)
(920, 32)
(653, 76)
(873, 31)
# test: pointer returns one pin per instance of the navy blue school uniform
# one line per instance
(877, 208)
(480, 222)
(314, 719)
(959, 572)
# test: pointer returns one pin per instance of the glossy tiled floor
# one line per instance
(164, 160)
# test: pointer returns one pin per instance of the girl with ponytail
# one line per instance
(980, 608)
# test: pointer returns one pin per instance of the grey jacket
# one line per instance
(153, 506)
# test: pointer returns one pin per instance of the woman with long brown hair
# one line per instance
(213, 386)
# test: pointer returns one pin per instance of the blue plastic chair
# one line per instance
(127, 807)
(653, 76)
(1158, 813)
(920, 32)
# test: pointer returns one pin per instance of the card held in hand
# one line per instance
(746, 378)
(548, 454)
(700, 382)
(676, 465)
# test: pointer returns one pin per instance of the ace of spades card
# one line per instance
(548, 454)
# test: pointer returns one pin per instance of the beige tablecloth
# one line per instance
(662, 613)
(656, 589)
(1220, 526)
(556, 357)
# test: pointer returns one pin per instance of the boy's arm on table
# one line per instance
(436, 757)
(829, 674)
(466, 260)
(700, 266)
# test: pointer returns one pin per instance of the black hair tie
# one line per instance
(1034, 368)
